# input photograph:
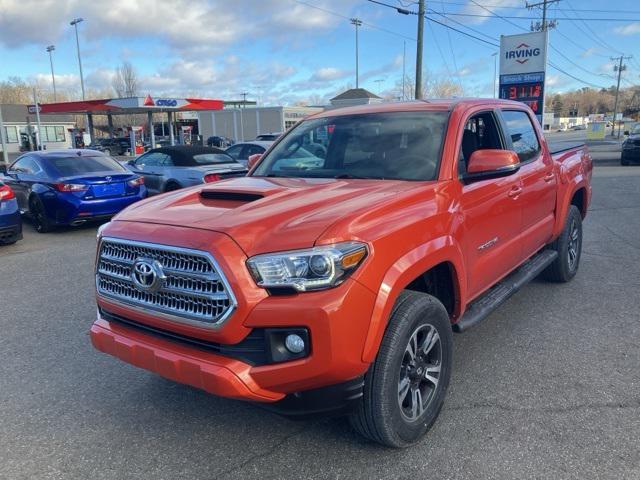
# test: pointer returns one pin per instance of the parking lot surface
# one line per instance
(547, 387)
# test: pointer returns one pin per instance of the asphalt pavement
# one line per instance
(547, 387)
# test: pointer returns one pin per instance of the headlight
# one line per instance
(312, 269)
(100, 230)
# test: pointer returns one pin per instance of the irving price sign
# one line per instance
(523, 61)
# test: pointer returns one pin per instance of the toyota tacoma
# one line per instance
(331, 278)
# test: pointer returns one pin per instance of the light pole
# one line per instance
(421, 11)
(74, 23)
(50, 49)
(495, 68)
(357, 23)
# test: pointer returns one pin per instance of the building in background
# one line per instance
(20, 127)
(355, 96)
(243, 124)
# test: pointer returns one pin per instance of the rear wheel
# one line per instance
(171, 186)
(406, 385)
(624, 161)
(39, 216)
(569, 248)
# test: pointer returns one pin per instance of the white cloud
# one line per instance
(190, 26)
(472, 8)
(328, 74)
(630, 29)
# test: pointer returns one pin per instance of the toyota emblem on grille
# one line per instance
(147, 275)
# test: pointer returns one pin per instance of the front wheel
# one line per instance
(569, 248)
(406, 385)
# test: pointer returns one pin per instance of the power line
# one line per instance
(522, 17)
(595, 35)
(510, 7)
(553, 65)
(453, 56)
(370, 25)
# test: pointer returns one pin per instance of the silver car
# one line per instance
(170, 168)
(242, 151)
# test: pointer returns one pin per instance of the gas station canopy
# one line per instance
(131, 105)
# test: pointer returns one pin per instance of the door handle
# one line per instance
(515, 191)
(549, 177)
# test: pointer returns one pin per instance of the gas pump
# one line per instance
(77, 137)
(136, 138)
(186, 134)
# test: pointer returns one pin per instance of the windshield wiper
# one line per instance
(356, 177)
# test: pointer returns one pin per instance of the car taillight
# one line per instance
(6, 193)
(136, 182)
(71, 187)
(212, 177)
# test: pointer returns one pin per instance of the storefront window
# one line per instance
(11, 134)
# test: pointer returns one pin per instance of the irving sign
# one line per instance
(523, 61)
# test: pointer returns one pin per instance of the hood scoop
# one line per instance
(230, 196)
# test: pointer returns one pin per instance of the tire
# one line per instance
(569, 248)
(623, 161)
(172, 186)
(40, 221)
(385, 414)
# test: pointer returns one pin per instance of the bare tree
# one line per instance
(125, 81)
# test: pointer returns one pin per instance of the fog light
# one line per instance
(294, 343)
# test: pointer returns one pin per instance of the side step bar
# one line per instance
(479, 309)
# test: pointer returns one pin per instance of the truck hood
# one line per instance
(268, 214)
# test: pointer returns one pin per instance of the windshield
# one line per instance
(636, 129)
(212, 158)
(71, 166)
(398, 145)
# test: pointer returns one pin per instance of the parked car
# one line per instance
(10, 221)
(219, 142)
(242, 151)
(579, 127)
(170, 168)
(71, 187)
(631, 146)
(111, 146)
(269, 137)
(338, 286)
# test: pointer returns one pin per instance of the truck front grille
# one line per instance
(186, 285)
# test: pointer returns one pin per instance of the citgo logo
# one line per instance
(166, 102)
(522, 53)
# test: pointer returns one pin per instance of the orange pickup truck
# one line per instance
(330, 278)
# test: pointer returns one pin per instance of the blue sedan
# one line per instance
(71, 187)
(10, 222)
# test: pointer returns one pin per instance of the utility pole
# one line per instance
(244, 98)
(357, 23)
(544, 25)
(421, 12)
(50, 49)
(618, 68)
(495, 71)
(404, 63)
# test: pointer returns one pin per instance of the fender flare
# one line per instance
(564, 201)
(401, 273)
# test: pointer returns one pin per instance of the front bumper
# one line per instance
(337, 321)
(10, 222)
(631, 154)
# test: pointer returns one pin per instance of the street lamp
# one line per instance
(357, 23)
(74, 23)
(50, 49)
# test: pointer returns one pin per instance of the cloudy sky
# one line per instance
(283, 51)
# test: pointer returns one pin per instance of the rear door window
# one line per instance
(523, 136)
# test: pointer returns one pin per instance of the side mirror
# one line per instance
(253, 159)
(485, 164)
(626, 132)
(132, 163)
